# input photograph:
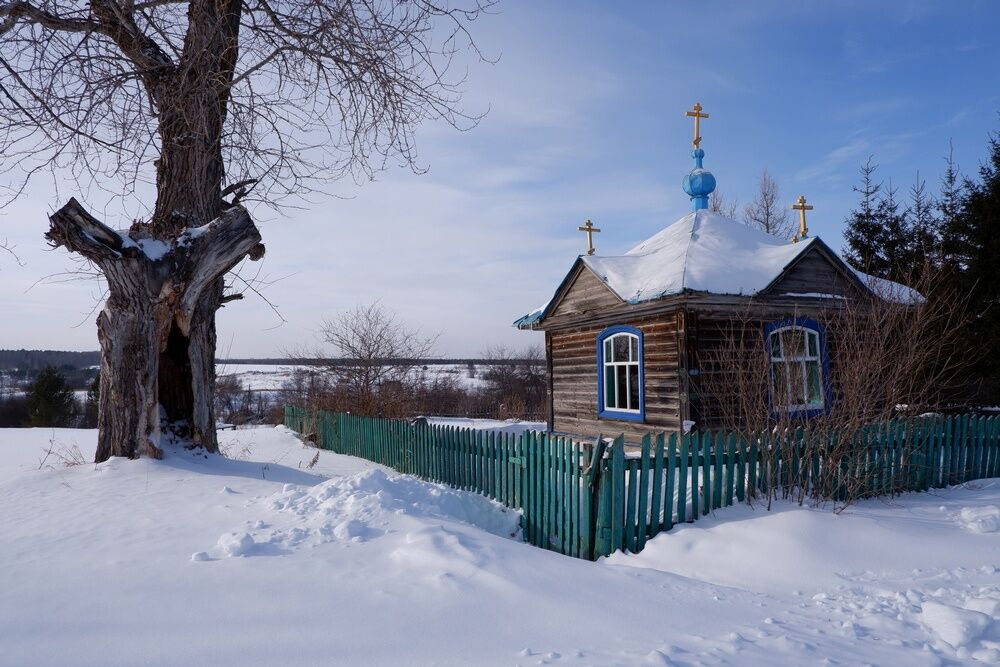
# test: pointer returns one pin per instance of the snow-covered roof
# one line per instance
(706, 252)
(701, 252)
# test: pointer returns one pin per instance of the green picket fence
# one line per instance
(590, 499)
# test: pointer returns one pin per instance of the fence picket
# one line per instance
(618, 499)
(631, 499)
(706, 482)
(668, 495)
(656, 503)
(682, 474)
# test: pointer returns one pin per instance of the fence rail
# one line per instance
(590, 499)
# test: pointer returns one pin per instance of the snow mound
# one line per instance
(980, 519)
(236, 544)
(361, 507)
(958, 627)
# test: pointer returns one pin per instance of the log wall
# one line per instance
(575, 375)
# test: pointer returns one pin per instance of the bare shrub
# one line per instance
(313, 461)
(516, 383)
(890, 358)
(239, 405)
(238, 451)
(61, 455)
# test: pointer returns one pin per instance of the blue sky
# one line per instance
(586, 120)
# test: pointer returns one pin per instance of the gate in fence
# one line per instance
(590, 499)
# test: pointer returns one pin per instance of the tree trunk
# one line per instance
(157, 329)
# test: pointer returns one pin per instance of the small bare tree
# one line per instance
(218, 103)
(766, 212)
(717, 203)
(374, 356)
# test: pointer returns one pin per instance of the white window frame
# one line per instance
(802, 360)
(634, 360)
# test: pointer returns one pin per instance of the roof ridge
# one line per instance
(687, 251)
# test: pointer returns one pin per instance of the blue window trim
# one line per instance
(618, 414)
(804, 323)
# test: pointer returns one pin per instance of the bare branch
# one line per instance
(290, 93)
(75, 229)
(13, 12)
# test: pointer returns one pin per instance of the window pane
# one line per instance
(622, 388)
(607, 351)
(794, 344)
(635, 348)
(813, 344)
(633, 386)
(621, 347)
(609, 386)
(813, 384)
(780, 390)
(775, 346)
(797, 384)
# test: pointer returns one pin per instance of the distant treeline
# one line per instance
(35, 360)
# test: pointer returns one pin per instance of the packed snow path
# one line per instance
(258, 560)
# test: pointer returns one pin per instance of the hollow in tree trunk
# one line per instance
(157, 328)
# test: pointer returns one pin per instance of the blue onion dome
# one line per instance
(700, 183)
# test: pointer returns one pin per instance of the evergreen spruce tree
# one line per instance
(974, 245)
(925, 236)
(949, 208)
(865, 233)
(892, 258)
(50, 400)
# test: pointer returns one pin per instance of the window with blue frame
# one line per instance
(799, 370)
(620, 374)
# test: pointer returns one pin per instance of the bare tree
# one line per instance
(719, 204)
(217, 103)
(374, 356)
(766, 212)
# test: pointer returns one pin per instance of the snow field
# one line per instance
(259, 560)
(270, 377)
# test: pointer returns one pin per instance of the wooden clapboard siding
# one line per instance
(814, 272)
(584, 295)
(575, 374)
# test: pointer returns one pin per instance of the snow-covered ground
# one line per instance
(260, 560)
(268, 377)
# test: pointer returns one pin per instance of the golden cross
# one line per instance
(591, 230)
(697, 115)
(801, 206)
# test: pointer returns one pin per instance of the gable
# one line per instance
(813, 273)
(586, 294)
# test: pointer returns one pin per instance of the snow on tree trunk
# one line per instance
(157, 329)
